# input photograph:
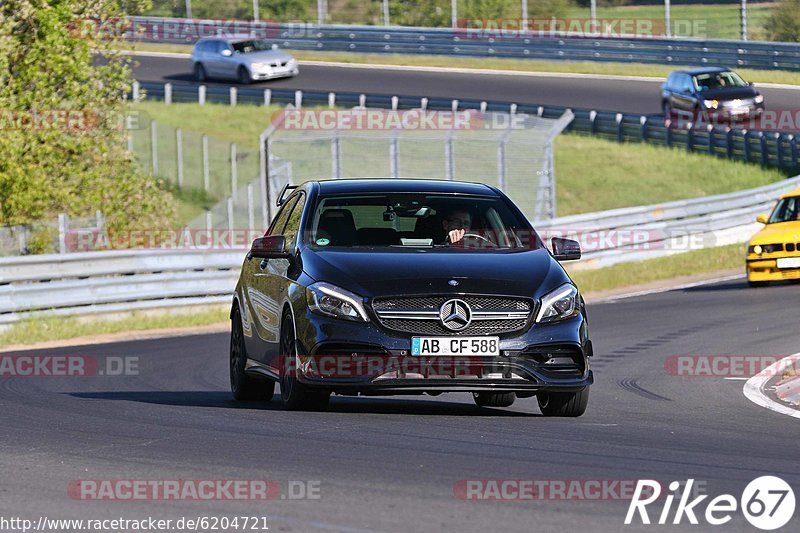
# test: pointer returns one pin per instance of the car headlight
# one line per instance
(260, 65)
(559, 304)
(759, 99)
(765, 248)
(711, 104)
(330, 300)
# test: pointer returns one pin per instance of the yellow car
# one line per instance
(774, 252)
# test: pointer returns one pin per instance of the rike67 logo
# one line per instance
(767, 503)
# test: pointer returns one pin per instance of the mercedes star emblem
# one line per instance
(455, 315)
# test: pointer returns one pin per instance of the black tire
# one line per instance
(200, 72)
(244, 387)
(563, 403)
(295, 395)
(756, 284)
(243, 75)
(494, 399)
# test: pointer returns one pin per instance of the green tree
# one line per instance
(783, 23)
(62, 146)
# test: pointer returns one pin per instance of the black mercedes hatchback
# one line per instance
(406, 286)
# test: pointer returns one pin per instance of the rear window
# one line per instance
(419, 220)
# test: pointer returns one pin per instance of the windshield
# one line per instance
(718, 80)
(255, 45)
(419, 220)
(787, 210)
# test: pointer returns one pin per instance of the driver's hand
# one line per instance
(456, 235)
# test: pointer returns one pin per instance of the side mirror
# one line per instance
(269, 247)
(761, 219)
(565, 249)
(226, 52)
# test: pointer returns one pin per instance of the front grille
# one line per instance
(424, 314)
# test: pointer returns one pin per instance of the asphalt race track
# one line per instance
(390, 464)
(629, 96)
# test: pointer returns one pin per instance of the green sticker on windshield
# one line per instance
(323, 242)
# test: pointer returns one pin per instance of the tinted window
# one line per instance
(292, 227)
(422, 220)
(254, 45)
(276, 228)
(718, 80)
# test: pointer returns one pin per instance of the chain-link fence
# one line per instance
(511, 152)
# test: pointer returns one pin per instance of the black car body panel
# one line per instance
(532, 356)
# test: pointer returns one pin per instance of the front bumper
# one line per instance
(766, 268)
(363, 358)
(273, 73)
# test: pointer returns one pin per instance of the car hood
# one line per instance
(374, 273)
(729, 93)
(267, 56)
(777, 233)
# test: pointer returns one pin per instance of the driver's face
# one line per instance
(457, 220)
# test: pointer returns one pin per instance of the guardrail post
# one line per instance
(423, 103)
(154, 146)
(690, 139)
(711, 145)
(63, 223)
(779, 148)
(233, 170)
(167, 93)
(395, 101)
(331, 99)
(233, 95)
(230, 214)
(593, 121)
(540, 111)
(362, 100)
(179, 155)
(204, 148)
(267, 96)
(620, 131)
(483, 106)
(764, 148)
(394, 155)
(729, 141)
(793, 147)
(201, 95)
(449, 157)
(135, 91)
(298, 99)
(336, 155)
(251, 216)
(501, 163)
(668, 135)
(643, 130)
(512, 109)
(747, 149)
(454, 105)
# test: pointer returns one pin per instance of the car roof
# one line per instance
(703, 70)
(410, 185)
(795, 192)
(228, 38)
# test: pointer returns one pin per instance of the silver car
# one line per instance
(244, 59)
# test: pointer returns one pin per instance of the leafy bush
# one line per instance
(783, 23)
(63, 145)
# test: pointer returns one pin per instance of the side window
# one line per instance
(688, 84)
(221, 45)
(278, 223)
(293, 222)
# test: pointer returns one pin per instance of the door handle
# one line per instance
(263, 264)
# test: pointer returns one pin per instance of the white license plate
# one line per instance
(424, 346)
(789, 262)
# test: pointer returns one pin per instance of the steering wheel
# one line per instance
(476, 236)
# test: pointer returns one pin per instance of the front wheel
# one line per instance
(244, 76)
(295, 395)
(199, 72)
(494, 399)
(244, 387)
(563, 403)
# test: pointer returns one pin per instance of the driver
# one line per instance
(457, 223)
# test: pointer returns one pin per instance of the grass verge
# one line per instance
(44, 329)
(661, 268)
(521, 65)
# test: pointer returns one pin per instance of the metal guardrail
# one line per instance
(103, 282)
(771, 148)
(465, 42)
